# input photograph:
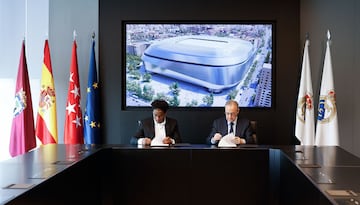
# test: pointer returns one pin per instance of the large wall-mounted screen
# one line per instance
(198, 64)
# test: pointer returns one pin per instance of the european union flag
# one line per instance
(92, 110)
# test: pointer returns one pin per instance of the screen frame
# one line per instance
(124, 23)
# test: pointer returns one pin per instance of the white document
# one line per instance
(157, 141)
(227, 141)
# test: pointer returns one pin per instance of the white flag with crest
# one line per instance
(305, 121)
(327, 131)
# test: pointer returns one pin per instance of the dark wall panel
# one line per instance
(275, 126)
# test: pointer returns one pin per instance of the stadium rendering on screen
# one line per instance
(198, 64)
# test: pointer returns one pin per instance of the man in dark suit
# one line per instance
(231, 123)
(161, 128)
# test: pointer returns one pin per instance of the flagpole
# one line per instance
(302, 148)
(93, 35)
(74, 35)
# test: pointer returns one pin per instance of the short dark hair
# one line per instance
(160, 104)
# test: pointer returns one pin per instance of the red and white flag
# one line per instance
(305, 120)
(22, 137)
(73, 116)
(46, 123)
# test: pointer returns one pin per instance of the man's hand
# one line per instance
(217, 137)
(147, 141)
(167, 140)
(238, 140)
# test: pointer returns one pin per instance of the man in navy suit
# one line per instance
(159, 127)
(231, 123)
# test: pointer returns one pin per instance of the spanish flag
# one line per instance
(46, 124)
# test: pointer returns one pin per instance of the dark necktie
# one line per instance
(231, 127)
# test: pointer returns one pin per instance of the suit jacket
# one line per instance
(243, 129)
(146, 128)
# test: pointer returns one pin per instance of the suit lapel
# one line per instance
(167, 127)
(225, 126)
(152, 128)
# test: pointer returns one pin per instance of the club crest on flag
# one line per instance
(20, 102)
(47, 98)
(327, 107)
(306, 102)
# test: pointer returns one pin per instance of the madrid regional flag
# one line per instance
(73, 131)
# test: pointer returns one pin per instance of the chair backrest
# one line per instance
(253, 125)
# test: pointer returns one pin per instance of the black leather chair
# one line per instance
(253, 125)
